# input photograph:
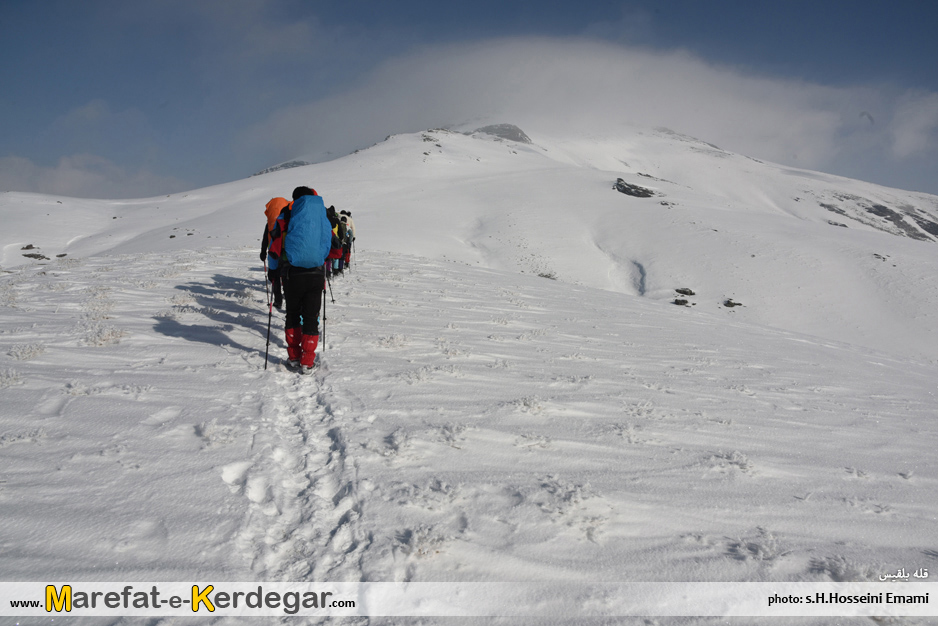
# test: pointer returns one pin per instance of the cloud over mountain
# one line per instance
(589, 86)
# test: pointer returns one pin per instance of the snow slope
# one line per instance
(473, 420)
(723, 225)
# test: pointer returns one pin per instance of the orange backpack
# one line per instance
(274, 207)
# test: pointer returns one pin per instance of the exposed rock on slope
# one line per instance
(632, 190)
(505, 131)
(283, 166)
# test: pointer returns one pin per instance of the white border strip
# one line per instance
(531, 599)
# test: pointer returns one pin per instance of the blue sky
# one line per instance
(111, 98)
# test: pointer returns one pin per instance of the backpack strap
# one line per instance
(286, 214)
(282, 225)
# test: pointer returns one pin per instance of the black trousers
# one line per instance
(303, 292)
(274, 276)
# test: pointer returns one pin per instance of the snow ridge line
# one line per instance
(302, 521)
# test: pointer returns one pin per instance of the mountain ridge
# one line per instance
(727, 226)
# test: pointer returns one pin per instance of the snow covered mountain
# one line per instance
(799, 250)
(508, 389)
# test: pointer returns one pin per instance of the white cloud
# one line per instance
(83, 176)
(91, 113)
(83, 133)
(590, 86)
(125, 135)
(915, 126)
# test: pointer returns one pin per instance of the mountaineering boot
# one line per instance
(278, 303)
(308, 359)
(294, 337)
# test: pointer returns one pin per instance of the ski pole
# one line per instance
(325, 279)
(270, 314)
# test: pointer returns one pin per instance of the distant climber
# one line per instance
(346, 217)
(332, 265)
(342, 235)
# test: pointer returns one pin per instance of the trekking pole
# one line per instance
(270, 314)
(328, 282)
(325, 279)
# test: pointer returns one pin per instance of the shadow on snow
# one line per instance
(228, 305)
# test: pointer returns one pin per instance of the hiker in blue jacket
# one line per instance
(300, 242)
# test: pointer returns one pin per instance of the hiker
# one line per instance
(272, 210)
(300, 242)
(342, 234)
(346, 218)
(332, 264)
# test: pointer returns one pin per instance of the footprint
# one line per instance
(235, 474)
(257, 489)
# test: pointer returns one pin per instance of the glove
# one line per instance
(263, 256)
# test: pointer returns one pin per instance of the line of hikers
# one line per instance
(303, 244)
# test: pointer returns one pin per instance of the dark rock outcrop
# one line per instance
(505, 131)
(283, 166)
(632, 190)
